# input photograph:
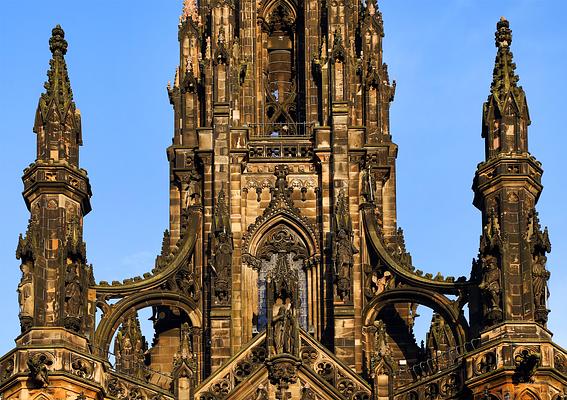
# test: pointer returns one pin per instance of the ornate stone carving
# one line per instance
(7, 369)
(381, 362)
(376, 281)
(185, 281)
(343, 249)
(261, 393)
(396, 246)
(135, 393)
(242, 370)
(308, 355)
(539, 245)
(491, 288)
(284, 325)
(346, 387)
(527, 361)
(115, 388)
(489, 270)
(282, 371)
(560, 362)
(327, 371)
(25, 252)
(82, 367)
(221, 388)
(485, 363)
(184, 360)
(307, 393)
(450, 385)
(38, 365)
(283, 241)
(130, 348)
(431, 391)
(221, 253)
(73, 298)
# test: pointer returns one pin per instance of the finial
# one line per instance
(189, 11)
(503, 33)
(57, 42)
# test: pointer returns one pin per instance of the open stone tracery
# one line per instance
(283, 273)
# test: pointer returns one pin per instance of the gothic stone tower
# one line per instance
(283, 273)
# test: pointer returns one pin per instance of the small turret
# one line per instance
(55, 280)
(510, 271)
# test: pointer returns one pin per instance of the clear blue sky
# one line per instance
(121, 55)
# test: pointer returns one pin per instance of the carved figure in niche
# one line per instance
(490, 287)
(368, 185)
(222, 265)
(221, 253)
(73, 300)
(344, 250)
(540, 277)
(344, 254)
(278, 323)
(25, 291)
(284, 325)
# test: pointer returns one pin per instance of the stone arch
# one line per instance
(297, 224)
(294, 224)
(111, 320)
(391, 307)
(269, 6)
(435, 301)
(305, 256)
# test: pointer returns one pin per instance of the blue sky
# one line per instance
(121, 55)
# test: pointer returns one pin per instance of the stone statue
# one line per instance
(73, 300)
(290, 328)
(344, 256)
(284, 325)
(540, 277)
(278, 325)
(25, 291)
(490, 286)
(222, 266)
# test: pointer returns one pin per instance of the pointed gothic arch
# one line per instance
(111, 320)
(437, 302)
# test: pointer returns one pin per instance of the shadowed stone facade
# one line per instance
(283, 274)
